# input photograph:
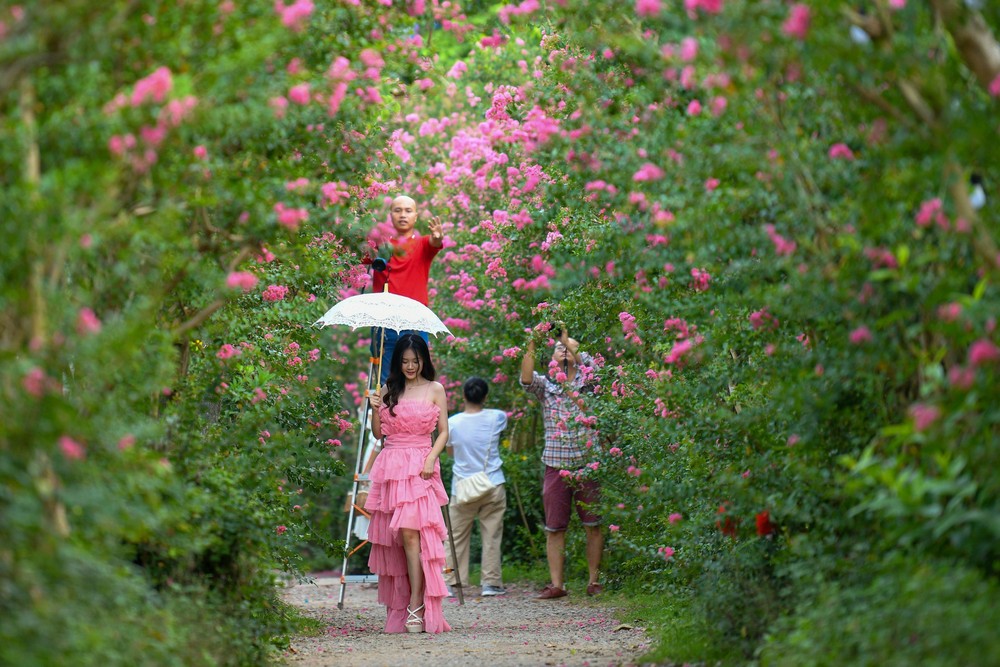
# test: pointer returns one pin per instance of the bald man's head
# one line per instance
(403, 214)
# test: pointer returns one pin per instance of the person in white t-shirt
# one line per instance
(474, 445)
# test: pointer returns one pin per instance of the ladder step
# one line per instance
(361, 579)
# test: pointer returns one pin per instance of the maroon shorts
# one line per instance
(560, 494)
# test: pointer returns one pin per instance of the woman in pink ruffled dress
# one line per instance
(407, 530)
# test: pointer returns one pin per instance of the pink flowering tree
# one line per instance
(781, 206)
(178, 195)
(757, 217)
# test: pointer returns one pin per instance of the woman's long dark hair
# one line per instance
(396, 382)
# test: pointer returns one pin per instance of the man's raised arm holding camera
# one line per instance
(568, 441)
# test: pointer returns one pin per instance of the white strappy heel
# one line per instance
(414, 623)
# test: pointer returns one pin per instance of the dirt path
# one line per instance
(503, 631)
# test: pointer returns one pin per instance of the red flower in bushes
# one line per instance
(727, 524)
(764, 525)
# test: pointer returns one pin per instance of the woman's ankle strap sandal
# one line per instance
(414, 623)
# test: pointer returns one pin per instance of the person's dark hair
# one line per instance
(396, 382)
(475, 390)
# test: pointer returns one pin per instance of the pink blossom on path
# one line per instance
(797, 23)
(87, 322)
(72, 449)
(648, 7)
(983, 351)
(841, 152)
(861, 335)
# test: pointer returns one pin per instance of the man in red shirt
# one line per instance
(408, 268)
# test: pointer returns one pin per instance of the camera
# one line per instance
(379, 264)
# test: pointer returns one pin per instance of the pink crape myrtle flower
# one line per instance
(294, 16)
(646, 8)
(924, 416)
(299, 94)
(666, 552)
(841, 151)
(274, 293)
(782, 246)
(700, 280)
(335, 192)
(87, 322)
(797, 23)
(861, 335)
(72, 449)
(153, 87)
(34, 382)
(648, 172)
(675, 517)
(707, 6)
(290, 217)
(982, 352)
(931, 211)
(227, 351)
(994, 86)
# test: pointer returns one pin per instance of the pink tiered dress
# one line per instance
(401, 498)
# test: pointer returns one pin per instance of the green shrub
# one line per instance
(937, 614)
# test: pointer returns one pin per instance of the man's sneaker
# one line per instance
(451, 593)
(493, 590)
(550, 592)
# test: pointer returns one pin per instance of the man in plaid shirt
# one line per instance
(567, 444)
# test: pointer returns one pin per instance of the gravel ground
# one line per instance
(503, 631)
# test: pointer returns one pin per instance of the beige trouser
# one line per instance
(490, 509)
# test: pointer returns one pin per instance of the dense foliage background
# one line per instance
(760, 216)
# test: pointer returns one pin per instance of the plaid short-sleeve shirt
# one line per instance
(566, 438)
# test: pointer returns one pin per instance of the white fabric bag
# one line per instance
(470, 489)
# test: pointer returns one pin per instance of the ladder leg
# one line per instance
(359, 466)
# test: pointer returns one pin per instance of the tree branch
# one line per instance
(973, 39)
(199, 318)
